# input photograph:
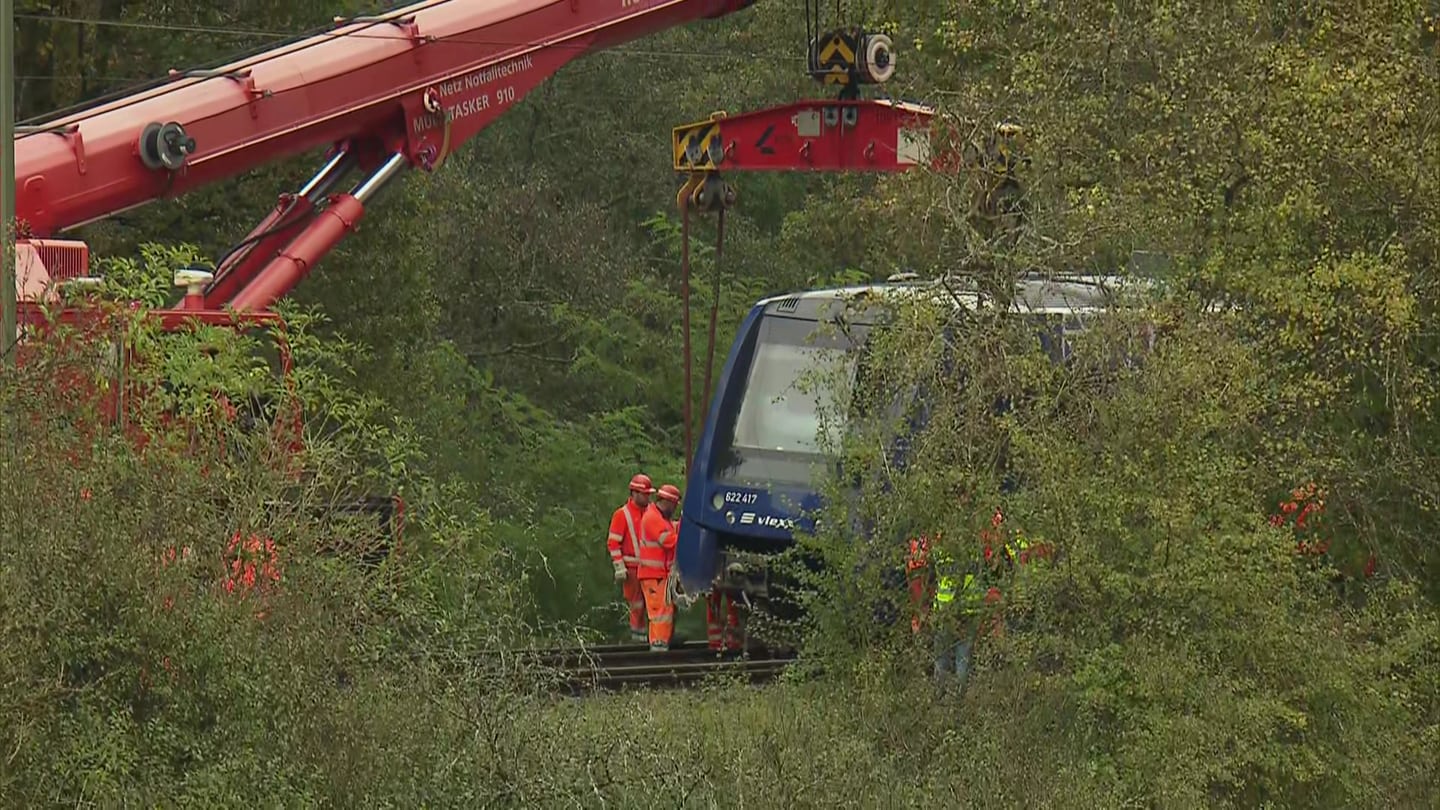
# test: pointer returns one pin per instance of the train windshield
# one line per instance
(788, 399)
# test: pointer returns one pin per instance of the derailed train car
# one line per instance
(752, 482)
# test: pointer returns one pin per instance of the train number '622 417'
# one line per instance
(743, 498)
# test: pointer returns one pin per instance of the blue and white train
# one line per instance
(751, 483)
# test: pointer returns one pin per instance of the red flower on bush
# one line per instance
(169, 557)
(1303, 511)
(254, 564)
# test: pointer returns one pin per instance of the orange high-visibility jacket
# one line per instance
(625, 533)
(657, 545)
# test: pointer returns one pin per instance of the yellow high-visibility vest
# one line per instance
(1017, 548)
(945, 590)
(944, 583)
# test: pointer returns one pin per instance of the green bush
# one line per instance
(1178, 650)
(151, 651)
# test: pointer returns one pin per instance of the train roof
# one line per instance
(1035, 294)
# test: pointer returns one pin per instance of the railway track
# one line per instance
(619, 667)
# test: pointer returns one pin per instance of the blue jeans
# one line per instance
(952, 656)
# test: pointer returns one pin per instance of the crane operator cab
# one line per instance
(779, 405)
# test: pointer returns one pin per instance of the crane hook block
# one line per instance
(165, 146)
(712, 194)
(852, 56)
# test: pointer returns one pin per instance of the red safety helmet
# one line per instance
(670, 493)
(641, 483)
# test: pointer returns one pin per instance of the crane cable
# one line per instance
(714, 313)
(685, 328)
(674, 590)
(685, 206)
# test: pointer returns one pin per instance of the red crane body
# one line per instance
(385, 93)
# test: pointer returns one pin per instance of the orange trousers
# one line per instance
(728, 634)
(920, 599)
(635, 598)
(661, 613)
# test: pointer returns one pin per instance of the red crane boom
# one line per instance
(385, 93)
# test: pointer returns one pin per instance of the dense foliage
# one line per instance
(500, 345)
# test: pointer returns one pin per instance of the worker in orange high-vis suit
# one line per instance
(623, 543)
(920, 578)
(657, 556)
(727, 635)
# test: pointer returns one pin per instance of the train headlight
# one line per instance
(730, 518)
(718, 501)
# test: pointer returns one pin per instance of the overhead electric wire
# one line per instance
(319, 35)
(65, 77)
(278, 41)
(239, 32)
(167, 27)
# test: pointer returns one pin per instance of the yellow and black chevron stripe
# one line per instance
(697, 147)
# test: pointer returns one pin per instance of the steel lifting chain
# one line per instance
(676, 593)
(703, 191)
